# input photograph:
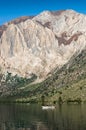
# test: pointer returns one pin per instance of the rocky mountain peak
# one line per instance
(37, 45)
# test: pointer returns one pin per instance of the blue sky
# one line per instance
(10, 9)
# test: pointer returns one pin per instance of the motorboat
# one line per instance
(48, 107)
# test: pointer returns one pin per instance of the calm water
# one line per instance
(32, 117)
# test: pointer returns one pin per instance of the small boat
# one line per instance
(48, 107)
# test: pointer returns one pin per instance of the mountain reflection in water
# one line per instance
(32, 117)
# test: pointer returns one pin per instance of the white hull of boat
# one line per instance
(48, 107)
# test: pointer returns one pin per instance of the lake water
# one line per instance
(32, 117)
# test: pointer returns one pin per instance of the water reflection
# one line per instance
(32, 117)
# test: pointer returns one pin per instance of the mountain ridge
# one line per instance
(29, 38)
(32, 48)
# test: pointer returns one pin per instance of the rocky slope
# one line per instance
(67, 84)
(49, 47)
(37, 45)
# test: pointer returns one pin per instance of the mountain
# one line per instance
(35, 50)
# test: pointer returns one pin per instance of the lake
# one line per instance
(32, 117)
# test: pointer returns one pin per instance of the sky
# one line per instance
(11, 9)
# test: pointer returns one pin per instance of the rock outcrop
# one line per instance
(37, 45)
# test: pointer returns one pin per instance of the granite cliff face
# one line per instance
(37, 45)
